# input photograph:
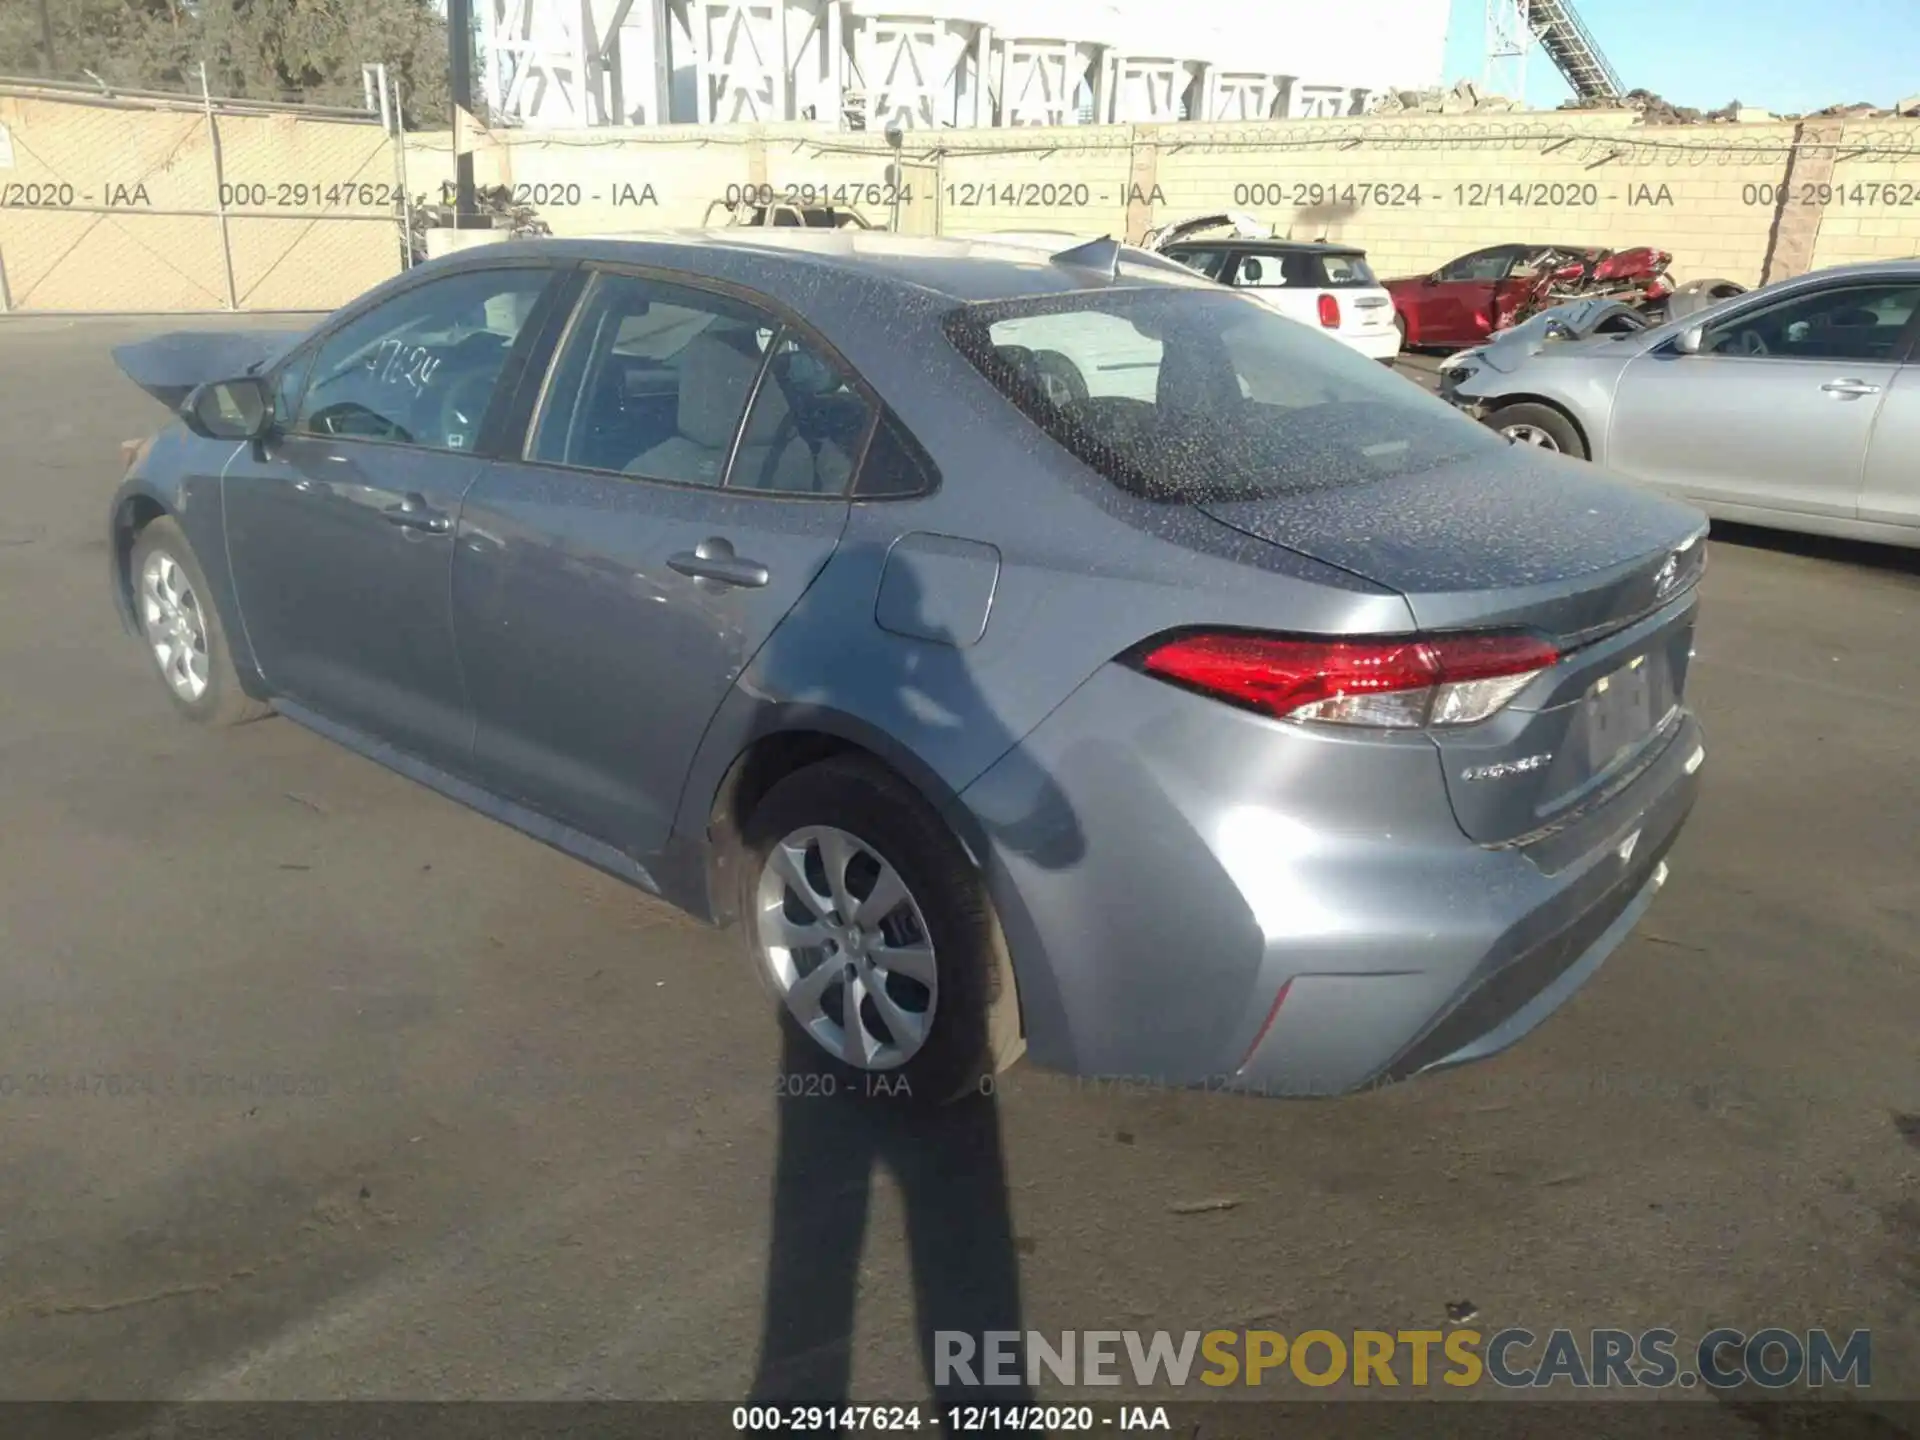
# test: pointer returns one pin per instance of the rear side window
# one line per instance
(806, 427)
(1207, 262)
(1184, 396)
(653, 382)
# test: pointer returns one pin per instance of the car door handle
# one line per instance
(413, 513)
(713, 559)
(1850, 388)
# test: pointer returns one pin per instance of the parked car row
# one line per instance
(1796, 405)
(1044, 651)
(1464, 302)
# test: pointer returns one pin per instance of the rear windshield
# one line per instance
(1182, 395)
(1335, 272)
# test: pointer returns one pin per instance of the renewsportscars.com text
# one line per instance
(1771, 1357)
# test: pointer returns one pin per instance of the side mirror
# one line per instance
(239, 409)
(1433, 279)
(1689, 341)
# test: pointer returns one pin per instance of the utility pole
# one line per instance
(46, 39)
(460, 81)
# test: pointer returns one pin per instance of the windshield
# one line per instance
(1186, 396)
(1337, 271)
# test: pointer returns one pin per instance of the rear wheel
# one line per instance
(1541, 427)
(873, 929)
(184, 635)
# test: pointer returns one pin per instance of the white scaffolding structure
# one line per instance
(929, 64)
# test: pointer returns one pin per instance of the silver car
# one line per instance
(1018, 650)
(1795, 406)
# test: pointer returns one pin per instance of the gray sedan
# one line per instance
(1021, 651)
(1795, 406)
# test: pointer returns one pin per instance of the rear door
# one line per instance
(1777, 409)
(339, 526)
(683, 482)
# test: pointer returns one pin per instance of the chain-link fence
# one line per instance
(114, 201)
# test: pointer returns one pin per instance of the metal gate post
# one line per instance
(219, 189)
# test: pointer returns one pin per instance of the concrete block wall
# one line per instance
(1726, 200)
(315, 220)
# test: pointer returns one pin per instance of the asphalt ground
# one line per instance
(315, 1085)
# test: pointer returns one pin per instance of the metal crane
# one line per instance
(1515, 26)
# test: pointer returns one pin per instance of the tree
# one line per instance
(309, 50)
(124, 42)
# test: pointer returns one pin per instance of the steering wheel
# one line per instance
(1750, 343)
(462, 408)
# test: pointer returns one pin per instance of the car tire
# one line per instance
(943, 917)
(182, 627)
(1541, 426)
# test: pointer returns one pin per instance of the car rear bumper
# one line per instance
(1197, 896)
(1381, 344)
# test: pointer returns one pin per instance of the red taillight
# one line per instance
(1404, 682)
(1329, 312)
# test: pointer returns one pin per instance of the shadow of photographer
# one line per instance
(840, 1125)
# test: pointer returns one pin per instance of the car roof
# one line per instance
(791, 264)
(1271, 247)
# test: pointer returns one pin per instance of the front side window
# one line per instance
(1486, 265)
(422, 368)
(1185, 396)
(1849, 322)
(288, 385)
(653, 381)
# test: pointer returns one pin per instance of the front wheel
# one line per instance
(1540, 426)
(874, 931)
(184, 635)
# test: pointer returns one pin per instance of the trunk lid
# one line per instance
(1521, 540)
(168, 366)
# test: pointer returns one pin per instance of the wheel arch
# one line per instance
(133, 512)
(1507, 402)
(786, 739)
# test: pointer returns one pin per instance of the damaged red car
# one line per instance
(1470, 299)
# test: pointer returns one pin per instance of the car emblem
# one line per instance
(1667, 576)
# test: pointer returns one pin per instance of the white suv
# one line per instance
(1317, 283)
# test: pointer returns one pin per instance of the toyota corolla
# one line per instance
(1020, 652)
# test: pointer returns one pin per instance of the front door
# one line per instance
(684, 483)
(340, 526)
(1455, 305)
(1776, 409)
(1890, 492)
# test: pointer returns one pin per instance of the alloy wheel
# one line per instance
(1530, 435)
(847, 947)
(175, 624)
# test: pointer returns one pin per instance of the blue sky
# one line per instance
(1782, 55)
